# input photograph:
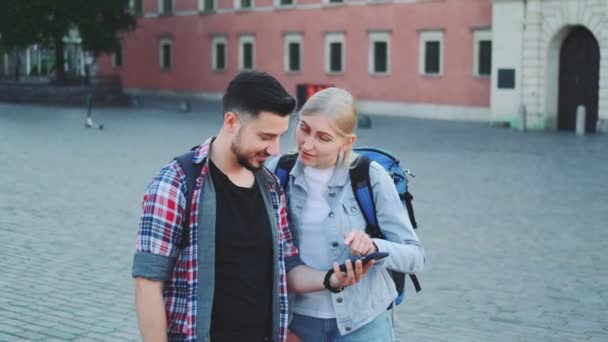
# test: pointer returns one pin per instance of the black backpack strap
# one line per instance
(192, 171)
(408, 198)
(284, 167)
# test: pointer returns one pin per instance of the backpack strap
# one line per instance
(407, 198)
(192, 171)
(361, 184)
(284, 167)
(362, 188)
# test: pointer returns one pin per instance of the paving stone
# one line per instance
(513, 224)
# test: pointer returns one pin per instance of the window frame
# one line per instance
(278, 4)
(243, 39)
(430, 36)
(480, 35)
(238, 5)
(288, 39)
(379, 37)
(335, 37)
(163, 42)
(202, 9)
(214, 42)
(116, 65)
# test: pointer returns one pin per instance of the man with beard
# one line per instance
(216, 270)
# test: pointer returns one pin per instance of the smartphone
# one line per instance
(365, 259)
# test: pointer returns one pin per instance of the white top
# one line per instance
(312, 238)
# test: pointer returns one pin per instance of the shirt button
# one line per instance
(353, 209)
(331, 215)
(335, 244)
(339, 300)
(348, 328)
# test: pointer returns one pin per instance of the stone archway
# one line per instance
(579, 68)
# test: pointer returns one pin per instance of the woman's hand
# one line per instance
(352, 276)
(359, 243)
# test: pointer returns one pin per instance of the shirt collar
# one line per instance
(338, 179)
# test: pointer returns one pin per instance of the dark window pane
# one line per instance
(247, 56)
(335, 57)
(380, 57)
(336, 1)
(431, 63)
(294, 56)
(485, 57)
(220, 54)
(286, 2)
(209, 5)
(166, 56)
(138, 8)
(118, 57)
(245, 3)
(167, 6)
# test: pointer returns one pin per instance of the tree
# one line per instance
(99, 23)
(15, 28)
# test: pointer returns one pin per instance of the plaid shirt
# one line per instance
(160, 232)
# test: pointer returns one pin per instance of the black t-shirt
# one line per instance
(242, 300)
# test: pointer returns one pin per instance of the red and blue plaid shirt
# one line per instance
(160, 233)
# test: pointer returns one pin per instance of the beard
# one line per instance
(242, 157)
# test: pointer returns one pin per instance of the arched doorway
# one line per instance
(579, 67)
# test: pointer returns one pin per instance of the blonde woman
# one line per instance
(328, 227)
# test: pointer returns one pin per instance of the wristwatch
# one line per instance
(327, 284)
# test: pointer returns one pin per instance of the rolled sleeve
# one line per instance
(160, 227)
(292, 262)
(152, 266)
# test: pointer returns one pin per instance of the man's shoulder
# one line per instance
(171, 174)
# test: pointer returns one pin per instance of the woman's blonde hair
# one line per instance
(337, 105)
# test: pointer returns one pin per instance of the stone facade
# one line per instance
(544, 24)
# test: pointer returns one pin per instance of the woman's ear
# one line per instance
(349, 142)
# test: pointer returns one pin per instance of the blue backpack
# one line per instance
(361, 185)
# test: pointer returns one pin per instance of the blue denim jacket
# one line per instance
(361, 303)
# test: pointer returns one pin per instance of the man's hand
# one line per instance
(359, 243)
(352, 276)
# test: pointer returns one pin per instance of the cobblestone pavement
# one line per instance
(514, 225)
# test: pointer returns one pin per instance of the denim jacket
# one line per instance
(361, 303)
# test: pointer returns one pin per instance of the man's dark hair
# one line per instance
(252, 91)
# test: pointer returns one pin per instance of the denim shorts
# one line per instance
(311, 329)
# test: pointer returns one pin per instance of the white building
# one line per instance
(550, 56)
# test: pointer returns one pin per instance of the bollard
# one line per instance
(581, 117)
(522, 113)
(185, 106)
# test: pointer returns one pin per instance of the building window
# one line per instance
(165, 7)
(166, 58)
(137, 7)
(207, 5)
(247, 52)
(293, 52)
(483, 53)
(331, 2)
(431, 53)
(334, 53)
(117, 57)
(243, 4)
(284, 3)
(379, 52)
(219, 53)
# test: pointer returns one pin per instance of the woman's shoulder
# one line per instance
(378, 173)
